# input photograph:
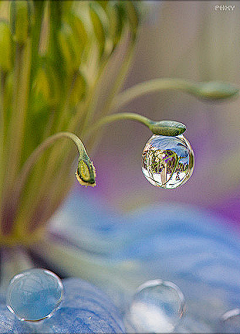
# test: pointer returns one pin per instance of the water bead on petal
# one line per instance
(167, 162)
(230, 322)
(34, 294)
(157, 307)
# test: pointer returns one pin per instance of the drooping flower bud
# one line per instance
(216, 90)
(85, 172)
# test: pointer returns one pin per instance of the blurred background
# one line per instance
(190, 40)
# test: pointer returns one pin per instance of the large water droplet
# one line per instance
(156, 307)
(167, 162)
(34, 294)
(230, 321)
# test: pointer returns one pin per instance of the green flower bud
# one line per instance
(21, 19)
(6, 61)
(167, 128)
(215, 90)
(85, 173)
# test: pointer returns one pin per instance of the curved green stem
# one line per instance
(164, 128)
(152, 86)
(212, 90)
(87, 175)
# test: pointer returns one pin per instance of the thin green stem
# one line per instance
(164, 128)
(42, 147)
(152, 86)
(117, 117)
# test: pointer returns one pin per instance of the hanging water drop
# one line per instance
(230, 321)
(167, 162)
(34, 294)
(156, 307)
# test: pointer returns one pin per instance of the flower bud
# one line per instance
(167, 128)
(215, 90)
(85, 173)
(21, 18)
(6, 61)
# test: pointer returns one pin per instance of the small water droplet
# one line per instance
(230, 321)
(167, 162)
(34, 294)
(157, 307)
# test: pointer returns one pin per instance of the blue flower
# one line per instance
(85, 309)
(117, 252)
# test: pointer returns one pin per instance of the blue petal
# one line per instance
(85, 309)
(10, 324)
(179, 243)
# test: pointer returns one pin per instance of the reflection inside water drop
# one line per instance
(34, 294)
(156, 307)
(167, 162)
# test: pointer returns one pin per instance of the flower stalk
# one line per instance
(164, 128)
(62, 72)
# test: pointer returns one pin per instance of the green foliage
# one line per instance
(62, 66)
(55, 55)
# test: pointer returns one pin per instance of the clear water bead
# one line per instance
(230, 321)
(34, 294)
(157, 307)
(167, 162)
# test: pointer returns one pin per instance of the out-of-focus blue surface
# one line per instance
(85, 309)
(9, 322)
(183, 244)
